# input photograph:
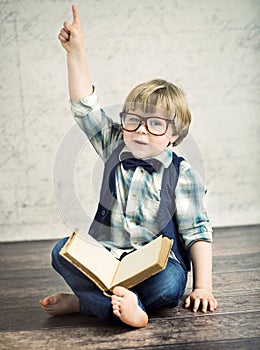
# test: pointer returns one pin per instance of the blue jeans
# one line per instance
(161, 290)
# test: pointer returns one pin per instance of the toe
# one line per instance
(119, 291)
(44, 302)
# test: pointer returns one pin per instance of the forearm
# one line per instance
(79, 80)
(201, 256)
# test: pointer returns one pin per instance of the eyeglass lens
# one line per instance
(154, 125)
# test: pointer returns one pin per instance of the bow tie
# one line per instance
(150, 165)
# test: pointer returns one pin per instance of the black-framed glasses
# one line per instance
(155, 125)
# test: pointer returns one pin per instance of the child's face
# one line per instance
(143, 144)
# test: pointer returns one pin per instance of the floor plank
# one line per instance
(236, 240)
(202, 329)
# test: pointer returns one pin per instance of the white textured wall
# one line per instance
(210, 48)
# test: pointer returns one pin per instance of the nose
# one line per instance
(142, 128)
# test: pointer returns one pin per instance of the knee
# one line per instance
(175, 288)
(173, 293)
(56, 257)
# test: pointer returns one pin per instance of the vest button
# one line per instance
(103, 213)
(91, 231)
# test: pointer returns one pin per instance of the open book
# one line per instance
(98, 264)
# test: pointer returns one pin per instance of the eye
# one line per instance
(133, 119)
(157, 122)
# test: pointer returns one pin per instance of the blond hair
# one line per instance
(166, 96)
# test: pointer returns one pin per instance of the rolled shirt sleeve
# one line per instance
(191, 208)
(101, 131)
(85, 105)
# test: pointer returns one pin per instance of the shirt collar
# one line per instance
(165, 157)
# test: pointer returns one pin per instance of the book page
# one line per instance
(95, 257)
(138, 261)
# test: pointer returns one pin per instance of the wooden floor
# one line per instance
(26, 276)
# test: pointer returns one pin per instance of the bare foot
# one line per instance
(60, 304)
(125, 306)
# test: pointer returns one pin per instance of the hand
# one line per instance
(201, 297)
(71, 35)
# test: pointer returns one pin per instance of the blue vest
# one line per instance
(166, 218)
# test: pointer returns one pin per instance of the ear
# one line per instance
(173, 138)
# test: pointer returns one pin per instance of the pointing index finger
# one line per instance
(75, 15)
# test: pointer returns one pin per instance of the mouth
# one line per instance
(140, 143)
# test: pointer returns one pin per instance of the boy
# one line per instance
(146, 190)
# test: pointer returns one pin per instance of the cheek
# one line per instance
(127, 135)
(162, 142)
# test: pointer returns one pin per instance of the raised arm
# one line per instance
(71, 37)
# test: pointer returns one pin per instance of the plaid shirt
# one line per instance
(133, 220)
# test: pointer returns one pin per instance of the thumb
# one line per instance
(75, 15)
(67, 26)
